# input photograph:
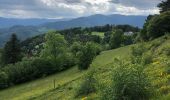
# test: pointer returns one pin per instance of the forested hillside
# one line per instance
(109, 62)
(24, 29)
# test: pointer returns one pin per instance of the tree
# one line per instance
(76, 47)
(12, 51)
(143, 33)
(88, 52)
(116, 39)
(55, 50)
(159, 25)
(164, 6)
(54, 46)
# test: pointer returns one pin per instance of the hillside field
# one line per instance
(67, 81)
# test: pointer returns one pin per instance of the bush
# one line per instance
(31, 69)
(166, 50)
(129, 82)
(116, 39)
(147, 58)
(87, 54)
(159, 25)
(137, 53)
(3, 80)
(87, 86)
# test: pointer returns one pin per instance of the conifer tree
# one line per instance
(12, 51)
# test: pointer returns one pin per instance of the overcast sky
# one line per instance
(75, 8)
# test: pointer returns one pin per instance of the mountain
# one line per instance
(9, 22)
(25, 28)
(23, 32)
(97, 20)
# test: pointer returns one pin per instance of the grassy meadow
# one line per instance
(68, 81)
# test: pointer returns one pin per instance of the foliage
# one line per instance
(142, 36)
(3, 80)
(159, 25)
(12, 51)
(137, 53)
(116, 39)
(54, 46)
(129, 81)
(88, 52)
(166, 50)
(55, 50)
(127, 40)
(87, 86)
(34, 68)
(164, 6)
(107, 36)
(147, 58)
(29, 45)
(76, 47)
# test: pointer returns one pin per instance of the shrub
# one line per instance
(137, 53)
(116, 39)
(159, 25)
(87, 86)
(166, 50)
(147, 58)
(129, 82)
(31, 69)
(87, 54)
(3, 80)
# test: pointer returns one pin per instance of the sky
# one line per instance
(75, 8)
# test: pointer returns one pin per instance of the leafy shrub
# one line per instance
(138, 50)
(31, 69)
(87, 86)
(147, 58)
(156, 44)
(75, 48)
(159, 25)
(165, 89)
(137, 53)
(116, 39)
(105, 89)
(3, 80)
(129, 82)
(89, 51)
(166, 50)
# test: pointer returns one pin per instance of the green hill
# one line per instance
(66, 82)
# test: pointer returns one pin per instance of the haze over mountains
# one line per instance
(9, 22)
(25, 28)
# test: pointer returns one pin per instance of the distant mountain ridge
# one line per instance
(39, 26)
(9, 22)
(97, 20)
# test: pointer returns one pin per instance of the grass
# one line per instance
(103, 59)
(108, 57)
(40, 86)
(68, 81)
(101, 34)
(43, 88)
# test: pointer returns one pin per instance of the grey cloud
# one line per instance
(38, 8)
(140, 4)
(73, 1)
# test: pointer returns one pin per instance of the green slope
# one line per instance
(45, 85)
(68, 81)
(38, 87)
(66, 92)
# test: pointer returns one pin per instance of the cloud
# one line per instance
(75, 8)
(139, 4)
